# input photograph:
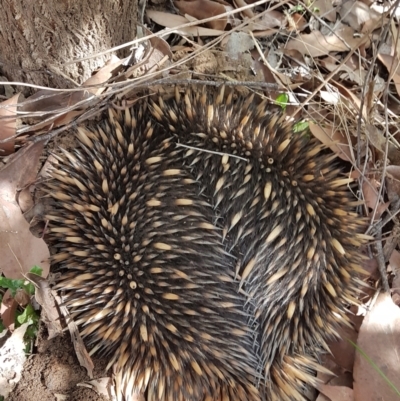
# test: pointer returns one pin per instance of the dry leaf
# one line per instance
(326, 9)
(332, 138)
(379, 340)
(359, 16)
(57, 106)
(370, 189)
(8, 121)
(392, 65)
(342, 351)
(296, 22)
(19, 249)
(315, 44)
(12, 359)
(202, 9)
(100, 386)
(347, 71)
(45, 299)
(175, 21)
(79, 346)
(102, 76)
(7, 310)
(393, 182)
(337, 393)
(268, 20)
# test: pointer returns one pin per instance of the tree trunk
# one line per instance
(38, 38)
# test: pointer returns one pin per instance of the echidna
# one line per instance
(205, 247)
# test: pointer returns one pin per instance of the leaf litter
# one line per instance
(337, 64)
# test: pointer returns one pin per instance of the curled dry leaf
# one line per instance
(296, 22)
(8, 122)
(45, 299)
(93, 84)
(394, 265)
(392, 65)
(157, 51)
(370, 190)
(19, 249)
(393, 182)
(316, 44)
(160, 44)
(346, 71)
(350, 100)
(100, 386)
(333, 139)
(202, 9)
(325, 9)
(376, 137)
(7, 310)
(379, 343)
(176, 21)
(59, 108)
(342, 351)
(359, 16)
(337, 393)
(12, 359)
(79, 346)
(268, 20)
(247, 13)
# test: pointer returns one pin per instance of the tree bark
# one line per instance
(38, 38)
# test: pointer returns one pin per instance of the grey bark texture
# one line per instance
(39, 37)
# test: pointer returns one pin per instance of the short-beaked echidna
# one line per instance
(205, 247)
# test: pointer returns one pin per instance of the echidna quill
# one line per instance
(205, 247)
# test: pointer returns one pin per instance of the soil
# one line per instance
(53, 372)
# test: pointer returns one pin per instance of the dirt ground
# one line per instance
(53, 372)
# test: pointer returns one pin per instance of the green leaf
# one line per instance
(297, 9)
(27, 316)
(282, 100)
(36, 270)
(12, 285)
(300, 126)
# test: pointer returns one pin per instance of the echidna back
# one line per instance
(205, 247)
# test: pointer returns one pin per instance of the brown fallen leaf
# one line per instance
(326, 9)
(370, 189)
(93, 84)
(80, 350)
(337, 393)
(45, 299)
(268, 20)
(359, 16)
(101, 386)
(59, 108)
(202, 9)
(19, 249)
(316, 44)
(393, 182)
(176, 21)
(8, 121)
(342, 350)
(8, 307)
(12, 359)
(379, 341)
(332, 138)
(392, 65)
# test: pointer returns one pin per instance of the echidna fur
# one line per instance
(205, 247)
